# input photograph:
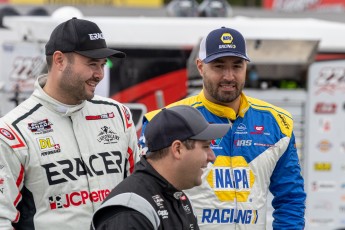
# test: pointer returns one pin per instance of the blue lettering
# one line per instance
(228, 181)
(215, 216)
(206, 216)
(227, 216)
(238, 178)
(223, 178)
(245, 179)
(219, 178)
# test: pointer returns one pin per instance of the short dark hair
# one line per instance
(159, 154)
(49, 59)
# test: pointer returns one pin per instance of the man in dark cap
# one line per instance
(64, 148)
(178, 140)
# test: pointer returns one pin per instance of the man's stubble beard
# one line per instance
(222, 97)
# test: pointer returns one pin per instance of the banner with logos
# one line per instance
(325, 146)
(302, 5)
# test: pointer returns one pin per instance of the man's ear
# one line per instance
(59, 59)
(176, 148)
(199, 65)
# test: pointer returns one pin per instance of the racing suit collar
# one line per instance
(145, 167)
(224, 111)
(51, 103)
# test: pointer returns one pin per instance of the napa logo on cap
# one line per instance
(226, 38)
(231, 178)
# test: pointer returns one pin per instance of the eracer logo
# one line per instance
(66, 170)
(96, 36)
(77, 198)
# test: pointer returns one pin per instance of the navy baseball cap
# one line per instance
(180, 122)
(80, 36)
(221, 43)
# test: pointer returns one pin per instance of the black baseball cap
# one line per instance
(222, 42)
(80, 36)
(180, 122)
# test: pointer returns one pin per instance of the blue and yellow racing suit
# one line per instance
(256, 156)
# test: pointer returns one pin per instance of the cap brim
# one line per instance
(225, 54)
(102, 53)
(213, 131)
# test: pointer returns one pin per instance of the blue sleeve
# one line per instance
(287, 187)
(141, 142)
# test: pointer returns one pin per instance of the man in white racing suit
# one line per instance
(64, 149)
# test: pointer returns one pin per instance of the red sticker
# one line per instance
(6, 134)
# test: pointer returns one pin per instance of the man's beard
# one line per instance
(221, 96)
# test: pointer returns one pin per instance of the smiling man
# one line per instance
(178, 140)
(256, 156)
(64, 149)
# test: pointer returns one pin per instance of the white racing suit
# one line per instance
(58, 162)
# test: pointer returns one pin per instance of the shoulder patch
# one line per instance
(11, 137)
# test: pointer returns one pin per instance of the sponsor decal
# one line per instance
(96, 36)
(264, 144)
(159, 201)
(259, 129)
(107, 136)
(283, 121)
(70, 170)
(322, 221)
(215, 144)
(40, 127)
(241, 129)
(322, 166)
(163, 213)
(330, 80)
(48, 146)
(222, 216)
(324, 186)
(325, 125)
(230, 178)
(242, 143)
(100, 117)
(325, 108)
(1, 184)
(227, 39)
(186, 208)
(177, 195)
(7, 134)
(324, 145)
(77, 198)
(127, 117)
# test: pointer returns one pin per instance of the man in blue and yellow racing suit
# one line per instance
(256, 156)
